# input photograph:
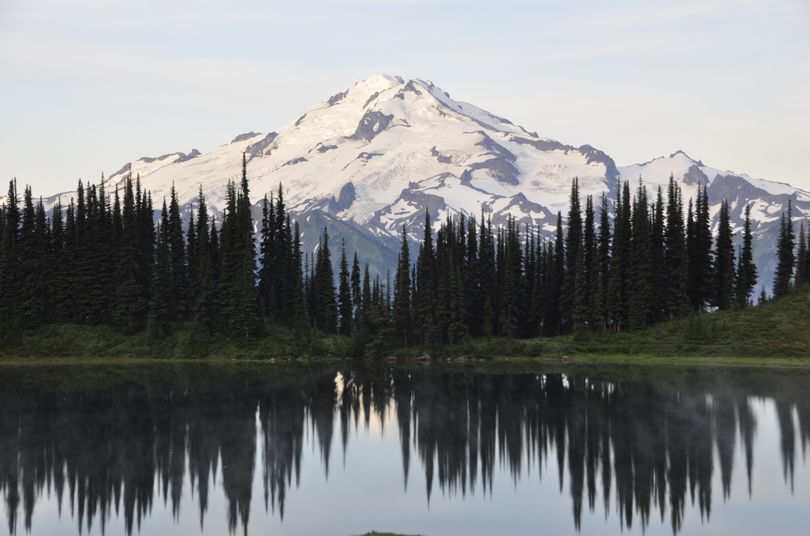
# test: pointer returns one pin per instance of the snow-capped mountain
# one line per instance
(371, 159)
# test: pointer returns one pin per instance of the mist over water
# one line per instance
(289, 450)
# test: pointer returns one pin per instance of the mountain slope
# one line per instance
(371, 159)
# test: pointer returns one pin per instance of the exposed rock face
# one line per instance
(337, 97)
(245, 136)
(371, 124)
(260, 147)
(344, 200)
(695, 176)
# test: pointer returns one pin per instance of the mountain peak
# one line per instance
(381, 79)
(682, 154)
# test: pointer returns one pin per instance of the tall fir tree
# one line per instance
(301, 322)
(267, 252)
(641, 280)
(746, 269)
(587, 280)
(675, 254)
(513, 291)
(553, 316)
(323, 288)
(402, 294)
(238, 301)
(357, 294)
(603, 263)
(724, 261)
(202, 265)
(30, 306)
(161, 306)
(130, 301)
(425, 287)
(659, 288)
(179, 306)
(60, 279)
(10, 266)
(345, 312)
(802, 258)
(786, 259)
(700, 275)
(573, 249)
(619, 284)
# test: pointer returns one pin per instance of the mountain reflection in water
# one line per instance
(638, 448)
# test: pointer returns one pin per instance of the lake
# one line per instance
(325, 449)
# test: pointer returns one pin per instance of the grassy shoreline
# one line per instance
(776, 334)
(569, 362)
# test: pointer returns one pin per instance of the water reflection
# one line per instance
(641, 446)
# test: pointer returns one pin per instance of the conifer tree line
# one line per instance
(105, 259)
(646, 259)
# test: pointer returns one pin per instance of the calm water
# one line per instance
(281, 450)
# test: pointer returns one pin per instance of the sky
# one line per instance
(88, 85)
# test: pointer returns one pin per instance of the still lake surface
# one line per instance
(271, 449)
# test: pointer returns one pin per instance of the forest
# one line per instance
(644, 258)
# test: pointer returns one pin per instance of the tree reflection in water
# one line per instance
(114, 450)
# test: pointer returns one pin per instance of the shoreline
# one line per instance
(573, 362)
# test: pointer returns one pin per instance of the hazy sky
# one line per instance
(87, 85)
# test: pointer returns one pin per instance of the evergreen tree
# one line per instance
(130, 299)
(402, 294)
(10, 267)
(67, 308)
(801, 258)
(202, 265)
(470, 280)
(60, 279)
(603, 263)
(513, 292)
(301, 322)
(746, 269)
(191, 250)
(553, 320)
(160, 304)
(267, 251)
(786, 260)
(573, 248)
(486, 277)
(30, 306)
(659, 280)
(45, 264)
(323, 288)
(344, 294)
(425, 287)
(237, 287)
(587, 280)
(700, 276)
(357, 294)
(537, 303)
(641, 279)
(675, 254)
(179, 306)
(724, 261)
(105, 242)
(618, 286)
